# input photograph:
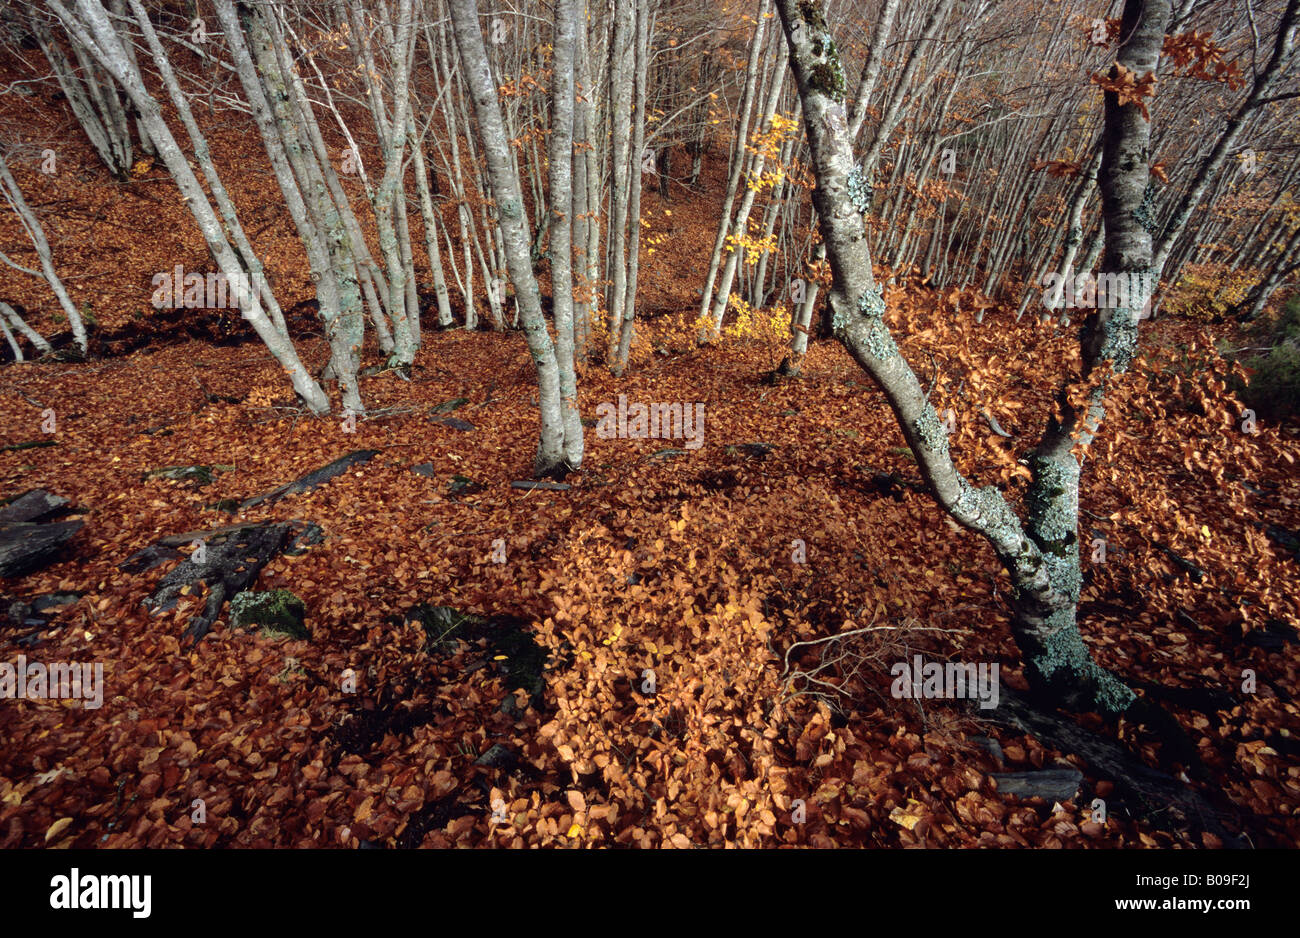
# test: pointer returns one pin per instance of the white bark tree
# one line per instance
(557, 452)
(1041, 551)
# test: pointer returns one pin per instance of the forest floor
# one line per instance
(678, 562)
(660, 558)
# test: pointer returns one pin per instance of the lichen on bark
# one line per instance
(860, 191)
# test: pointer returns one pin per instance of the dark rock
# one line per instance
(279, 612)
(989, 745)
(463, 485)
(25, 546)
(455, 423)
(200, 475)
(425, 469)
(32, 505)
(1049, 784)
(52, 601)
(497, 757)
(33, 615)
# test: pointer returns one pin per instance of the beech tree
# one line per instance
(560, 448)
(1039, 550)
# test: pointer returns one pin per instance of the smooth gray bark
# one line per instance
(550, 458)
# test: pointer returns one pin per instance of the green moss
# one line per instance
(1146, 214)
(278, 612)
(828, 78)
(811, 11)
(1064, 662)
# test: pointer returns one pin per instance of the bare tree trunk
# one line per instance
(738, 159)
(635, 182)
(740, 227)
(271, 96)
(561, 162)
(427, 213)
(87, 100)
(621, 64)
(9, 336)
(32, 225)
(1284, 265)
(1284, 47)
(550, 459)
(34, 337)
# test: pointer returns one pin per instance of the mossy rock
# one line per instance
(463, 485)
(277, 612)
(447, 407)
(522, 662)
(202, 475)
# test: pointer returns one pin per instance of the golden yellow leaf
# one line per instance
(57, 828)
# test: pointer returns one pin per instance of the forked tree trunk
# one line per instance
(32, 225)
(1041, 554)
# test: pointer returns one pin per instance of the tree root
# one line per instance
(1150, 792)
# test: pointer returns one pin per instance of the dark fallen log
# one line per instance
(312, 480)
(232, 559)
(1049, 784)
(32, 505)
(1201, 699)
(30, 444)
(25, 546)
(530, 484)
(1147, 792)
(1192, 570)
